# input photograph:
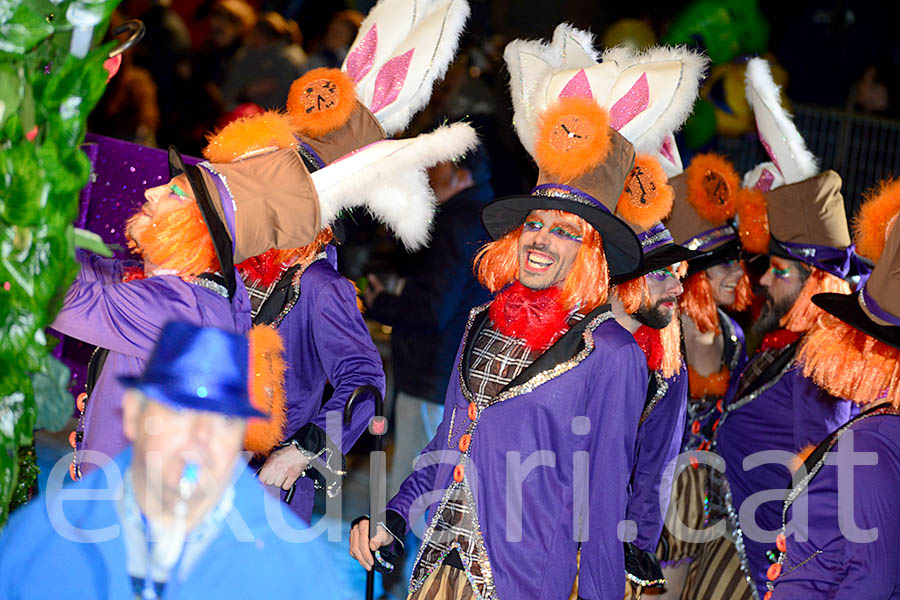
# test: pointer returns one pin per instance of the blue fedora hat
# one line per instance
(198, 368)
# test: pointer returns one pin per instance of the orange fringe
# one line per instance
(698, 303)
(647, 199)
(568, 157)
(714, 385)
(249, 135)
(267, 368)
(670, 338)
(177, 241)
(743, 293)
(632, 293)
(716, 210)
(849, 364)
(753, 220)
(879, 209)
(497, 264)
(801, 457)
(804, 314)
(309, 118)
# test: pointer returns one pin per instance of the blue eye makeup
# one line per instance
(565, 234)
(660, 274)
(781, 273)
(533, 225)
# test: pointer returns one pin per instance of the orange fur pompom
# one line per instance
(266, 384)
(712, 184)
(632, 293)
(587, 285)
(804, 314)
(249, 136)
(870, 226)
(698, 303)
(321, 101)
(849, 364)
(647, 198)
(573, 138)
(753, 220)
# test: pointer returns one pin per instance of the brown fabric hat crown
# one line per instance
(275, 202)
(809, 212)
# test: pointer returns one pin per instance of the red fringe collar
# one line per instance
(650, 342)
(133, 274)
(778, 339)
(262, 269)
(535, 316)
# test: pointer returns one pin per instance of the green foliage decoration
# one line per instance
(46, 95)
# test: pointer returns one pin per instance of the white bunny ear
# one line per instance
(653, 94)
(776, 129)
(529, 62)
(388, 178)
(402, 48)
(669, 158)
(575, 47)
(763, 177)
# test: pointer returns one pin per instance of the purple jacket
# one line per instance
(844, 569)
(779, 410)
(127, 318)
(326, 340)
(596, 371)
(658, 441)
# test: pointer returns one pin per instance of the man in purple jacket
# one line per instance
(532, 458)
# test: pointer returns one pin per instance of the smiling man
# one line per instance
(544, 374)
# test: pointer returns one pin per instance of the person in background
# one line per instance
(339, 36)
(230, 22)
(265, 67)
(180, 487)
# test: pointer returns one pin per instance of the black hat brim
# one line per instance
(620, 244)
(222, 243)
(846, 308)
(730, 250)
(661, 258)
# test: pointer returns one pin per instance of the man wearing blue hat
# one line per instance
(177, 514)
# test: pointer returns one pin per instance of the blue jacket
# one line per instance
(37, 562)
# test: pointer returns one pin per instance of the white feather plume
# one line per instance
(761, 88)
(389, 180)
(432, 28)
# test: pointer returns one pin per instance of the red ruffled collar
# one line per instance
(778, 339)
(649, 340)
(536, 316)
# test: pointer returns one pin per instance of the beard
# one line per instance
(771, 314)
(655, 317)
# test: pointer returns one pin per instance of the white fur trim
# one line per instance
(574, 46)
(529, 62)
(431, 28)
(752, 176)
(388, 178)
(775, 124)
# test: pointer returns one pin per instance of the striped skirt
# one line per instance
(716, 574)
(445, 583)
(688, 497)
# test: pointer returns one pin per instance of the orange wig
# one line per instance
(698, 303)
(587, 285)
(176, 241)
(804, 314)
(633, 294)
(849, 364)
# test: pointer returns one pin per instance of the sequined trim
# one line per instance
(650, 242)
(737, 536)
(558, 192)
(745, 400)
(713, 236)
(208, 166)
(209, 284)
(662, 386)
(728, 330)
(803, 484)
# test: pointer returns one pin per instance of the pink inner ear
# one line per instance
(633, 103)
(390, 80)
(577, 87)
(360, 61)
(766, 178)
(768, 149)
(666, 150)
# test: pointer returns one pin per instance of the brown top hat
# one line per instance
(583, 165)
(703, 209)
(875, 308)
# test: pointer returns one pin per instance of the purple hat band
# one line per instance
(873, 307)
(836, 261)
(712, 237)
(655, 237)
(559, 190)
